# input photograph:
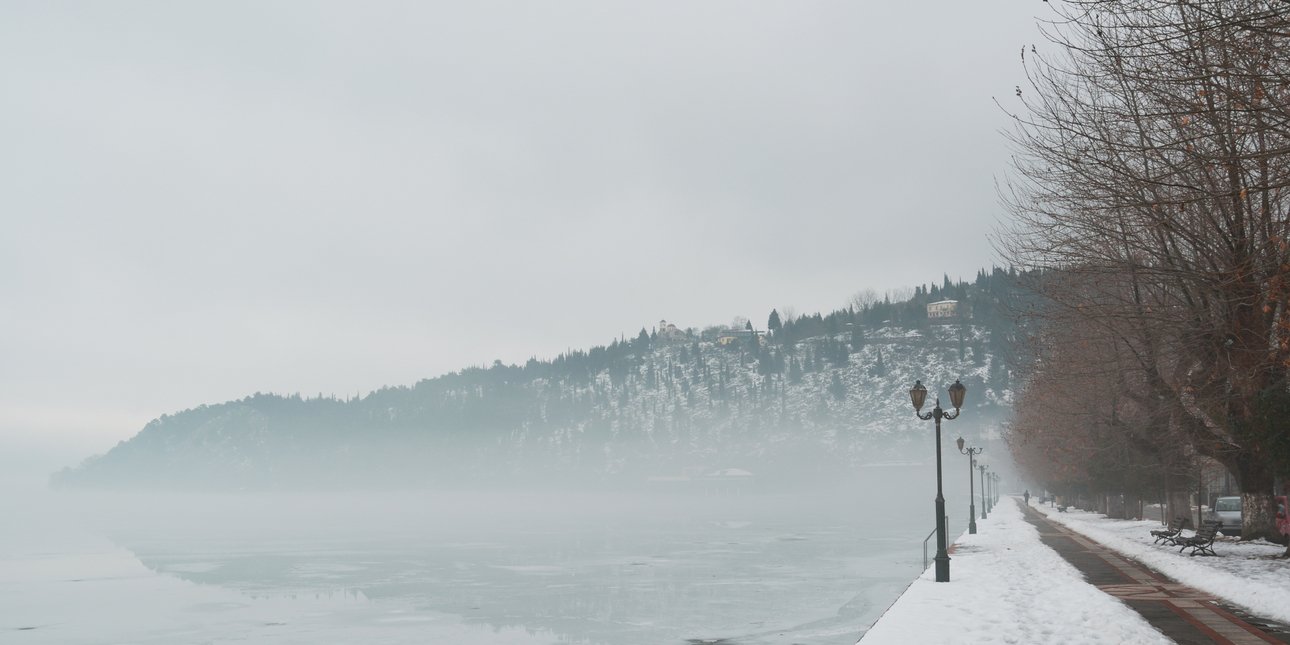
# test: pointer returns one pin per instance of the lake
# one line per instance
(483, 567)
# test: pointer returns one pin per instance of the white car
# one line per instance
(1228, 511)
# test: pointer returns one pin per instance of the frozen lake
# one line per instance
(456, 568)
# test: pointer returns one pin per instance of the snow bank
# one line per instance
(1007, 587)
(1248, 574)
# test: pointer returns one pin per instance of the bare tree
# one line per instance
(1151, 169)
(1081, 425)
(864, 299)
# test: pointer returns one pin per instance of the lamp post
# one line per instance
(917, 395)
(971, 452)
(994, 487)
(985, 508)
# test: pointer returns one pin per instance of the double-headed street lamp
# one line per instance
(971, 452)
(918, 395)
(985, 507)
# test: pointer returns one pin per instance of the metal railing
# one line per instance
(925, 545)
(929, 536)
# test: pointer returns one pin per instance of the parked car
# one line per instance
(1227, 510)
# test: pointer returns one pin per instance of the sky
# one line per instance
(199, 201)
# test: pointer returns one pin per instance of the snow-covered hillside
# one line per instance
(656, 408)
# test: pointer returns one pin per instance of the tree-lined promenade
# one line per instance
(1151, 191)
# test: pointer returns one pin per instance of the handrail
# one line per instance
(929, 536)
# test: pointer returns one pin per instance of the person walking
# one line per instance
(1027, 497)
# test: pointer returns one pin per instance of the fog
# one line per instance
(667, 562)
(286, 252)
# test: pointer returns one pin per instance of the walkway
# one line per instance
(1182, 613)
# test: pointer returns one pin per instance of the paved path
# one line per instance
(1182, 613)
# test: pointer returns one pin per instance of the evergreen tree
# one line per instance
(962, 343)
(879, 368)
(794, 371)
(836, 388)
(841, 355)
(773, 324)
(642, 341)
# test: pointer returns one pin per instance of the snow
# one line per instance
(1248, 574)
(1008, 587)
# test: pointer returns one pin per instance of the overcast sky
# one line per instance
(204, 200)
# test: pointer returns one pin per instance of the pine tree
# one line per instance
(794, 371)
(773, 324)
(836, 388)
(962, 343)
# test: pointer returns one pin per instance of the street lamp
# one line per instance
(918, 395)
(985, 508)
(994, 487)
(971, 453)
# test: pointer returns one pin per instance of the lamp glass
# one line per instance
(918, 394)
(956, 394)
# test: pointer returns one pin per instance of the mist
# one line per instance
(490, 322)
(654, 564)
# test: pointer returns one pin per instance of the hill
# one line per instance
(819, 394)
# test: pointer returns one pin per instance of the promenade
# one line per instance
(1026, 577)
(1182, 613)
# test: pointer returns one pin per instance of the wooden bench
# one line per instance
(1202, 542)
(1167, 535)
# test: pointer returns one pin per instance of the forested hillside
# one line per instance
(795, 396)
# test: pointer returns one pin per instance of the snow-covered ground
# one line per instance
(1249, 574)
(1007, 587)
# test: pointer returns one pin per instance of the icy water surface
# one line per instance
(491, 568)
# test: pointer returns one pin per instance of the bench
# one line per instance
(1202, 542)
(1168, 534)
(1062, 508)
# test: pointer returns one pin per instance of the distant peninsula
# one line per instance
(790, 397)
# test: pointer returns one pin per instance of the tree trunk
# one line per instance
(1132, 506)
(1178, 504)
(1258, 504)
(1258, 517)
(1115, 507)
(1285, 490)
